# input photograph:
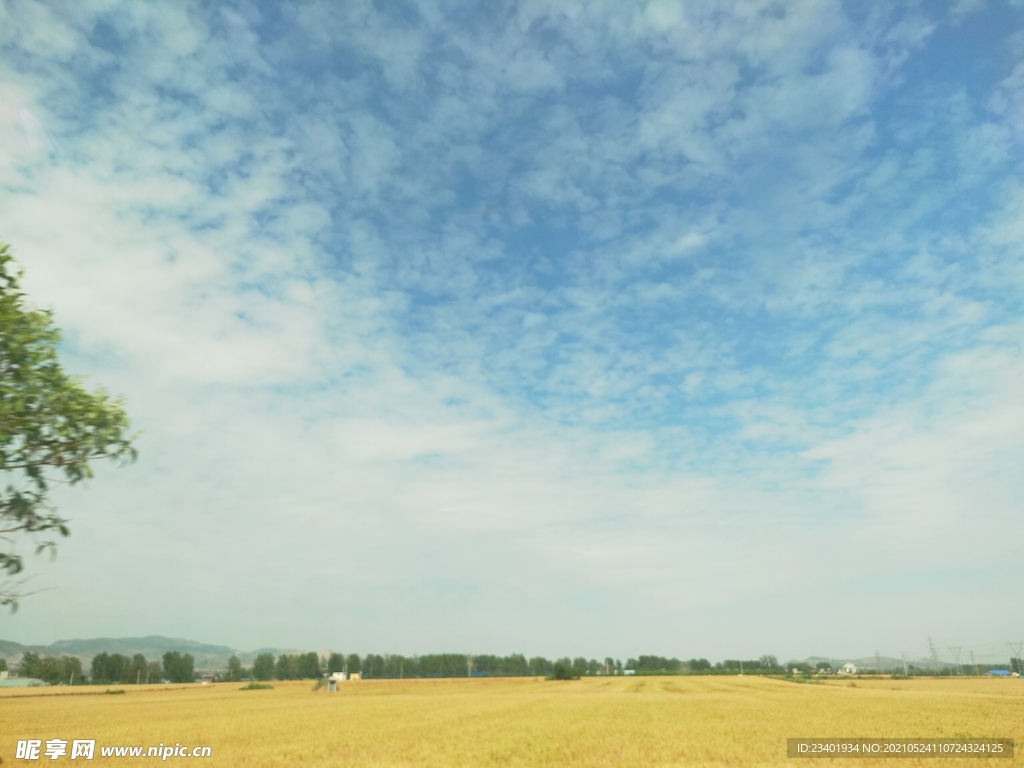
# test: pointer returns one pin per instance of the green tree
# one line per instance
(515, 664)
(71, 670)
(48, 669)
(3, 665)
(178, 668)
(111, 668)
(56, 670)
(373, 665)
(234, 669)
(28, 664)
(540, 666)
(137, 669)
(396, 665)
(187, 670)
(285, 668)
(562, 670)
(307, 666)
(99, 667)
(263, 667)
(51, 427)
(336, 663)
(657, 664)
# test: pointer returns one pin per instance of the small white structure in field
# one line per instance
(333, 680)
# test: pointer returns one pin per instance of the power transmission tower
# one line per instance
(956, 650)
(903, 656)
(935, 656)
(878, 664)
(1015, 651)
(973, 664)
(469, 665)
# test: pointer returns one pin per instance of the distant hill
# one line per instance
(153, 647)
(9, 649)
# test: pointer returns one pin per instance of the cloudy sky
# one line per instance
(690, 328)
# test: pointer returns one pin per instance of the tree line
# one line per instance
(110, 668)
(380, 666)
(303, 666)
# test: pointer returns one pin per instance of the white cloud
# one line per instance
(615, 308)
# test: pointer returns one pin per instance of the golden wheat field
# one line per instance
(653, 721)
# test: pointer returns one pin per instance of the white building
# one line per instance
(333, 680)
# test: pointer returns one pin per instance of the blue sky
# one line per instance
(609, 328)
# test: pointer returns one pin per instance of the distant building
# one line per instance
(339, 677)
(333, 680)
(850, 668)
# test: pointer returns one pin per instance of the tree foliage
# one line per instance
(299, 666)
(263, 667)
(55, 670)
(562, 670)
(234, 669)
(178, 668)
(113, 668)
(51, 427)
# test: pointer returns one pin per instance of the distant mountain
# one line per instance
(152, 645)
(9, 649)
(207, 656)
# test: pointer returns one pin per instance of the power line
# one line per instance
(1018, 647)
(935, 656)
(956, 650)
